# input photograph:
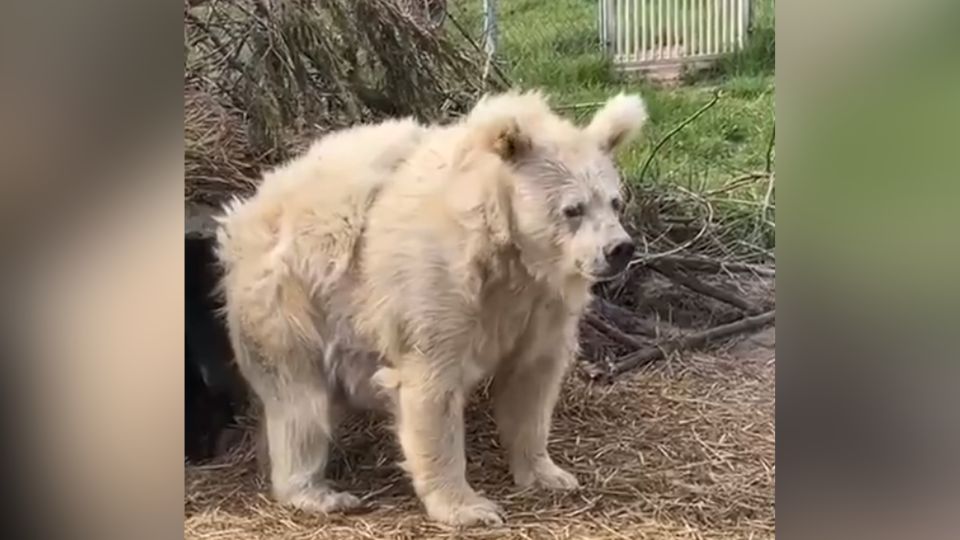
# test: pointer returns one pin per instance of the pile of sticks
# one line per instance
(647, 339)
(684, 246)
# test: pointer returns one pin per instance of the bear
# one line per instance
(395, 266)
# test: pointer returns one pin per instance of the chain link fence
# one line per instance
(554, 44)
(546, 43)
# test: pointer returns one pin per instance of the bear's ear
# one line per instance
(501, 136)
(503, 123)
(509, 142)
(618, 121)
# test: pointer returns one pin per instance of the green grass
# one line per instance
(543, 43)
(554, 45)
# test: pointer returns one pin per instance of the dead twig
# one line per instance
(773, 137)
(578, 106)
(765, 208)
(738, 182)
(709, 265)
(612, 331)
(639, 358)
(670, 270)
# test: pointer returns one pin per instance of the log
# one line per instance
(613, 332)
(646, 355)
(689, 281)
(710, 265)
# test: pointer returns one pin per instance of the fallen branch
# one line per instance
(644, 356)
(613, 332)
(689, 281)
(710, 265)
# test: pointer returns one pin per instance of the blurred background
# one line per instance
(263, 79)
(94, 152)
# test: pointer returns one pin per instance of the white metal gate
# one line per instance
(647, 34)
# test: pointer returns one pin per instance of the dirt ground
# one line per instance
(681, 449)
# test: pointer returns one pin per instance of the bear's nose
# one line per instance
(619, 254)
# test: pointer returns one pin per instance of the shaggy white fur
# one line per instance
(396, 265)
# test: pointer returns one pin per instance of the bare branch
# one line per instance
(642, 357)
(709, 265)
(669, 270)
(613, 332)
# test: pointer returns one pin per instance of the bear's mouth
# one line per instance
(610, 276)
(601, 277)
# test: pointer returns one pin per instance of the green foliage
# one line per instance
(554, 45)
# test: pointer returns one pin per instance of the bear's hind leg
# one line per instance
(299, 428)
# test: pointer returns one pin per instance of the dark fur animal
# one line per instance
(212, 389)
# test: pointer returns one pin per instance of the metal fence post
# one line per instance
(490, 34)
(609, 28)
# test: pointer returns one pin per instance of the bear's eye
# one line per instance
(574, 210)
(617, 205)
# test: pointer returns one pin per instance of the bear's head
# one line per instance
(559, 194)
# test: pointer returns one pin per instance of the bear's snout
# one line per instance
(618, 255)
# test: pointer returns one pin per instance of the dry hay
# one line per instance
(217, 155)
(681, 449)
(264, 77)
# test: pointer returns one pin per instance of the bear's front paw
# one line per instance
(544, 473)
(322, 500)
(463, 511)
